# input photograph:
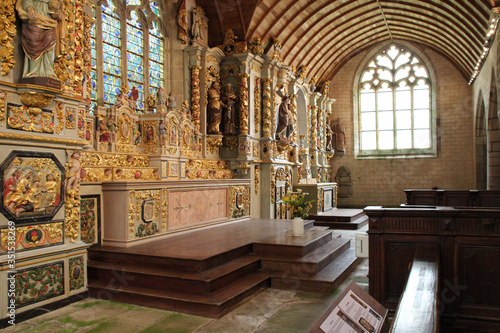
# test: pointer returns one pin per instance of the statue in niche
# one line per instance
(160, 97)
(112, 127)
(73, 176)
(197, 29)
(214, 109)
(340, 140)
(283, 119)
(41, 25)
(132, 98)
(185, 111)
(162, 133)
(103, 131)
(229, 100)
(329, 137)
(136, 132)
(171, 102)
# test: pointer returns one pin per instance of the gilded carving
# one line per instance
(243, 92)
(266, 108)
(72, 215)
(87, 49)
(124, 129)
(293, 111)
(81, 123)
(65, 62)
(121, 148)
(60, 117)
(195, 96)
(164, 207)
(256, 99)
(277, 51)
(256, 178)
(3, 108)
(90, 158)
(321, 199)
(70, 118)
(211, 58)
(256, 149)
(312, 130)
(208, 169)
(30, 119)
(146, 207)
(34, 236)
(70, 142)
(239, 203)
(231, 142)
(230, 71)
(213, 144)
(78, 41)
(7, 34)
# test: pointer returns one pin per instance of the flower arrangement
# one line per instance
(297, 204)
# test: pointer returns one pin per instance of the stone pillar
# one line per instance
(195, 96)
(243, 92)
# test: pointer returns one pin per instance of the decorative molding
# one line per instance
(257, 110)
(266, 108)
(33, 236)
(76, 273)
(195, 96)
(30, 119)
(25, 137)
(3, 106)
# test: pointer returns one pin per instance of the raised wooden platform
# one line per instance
(209, 271)
(341, 218)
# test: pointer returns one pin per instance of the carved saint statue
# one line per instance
(73, 175)
(162, 133)
(171, 102)
(329, 137)
(39, 35)
(230, 99)
(340, 136)
(214, 109)
(283, 118)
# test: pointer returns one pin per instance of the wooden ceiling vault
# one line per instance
(325, 34)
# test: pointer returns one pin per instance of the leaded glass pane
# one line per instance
(422, 139)
(369, 140)
(403, 139)
(368, 122)
(385, 120)
(384, 99)
(421, 119)
(154, 7)
(367, 101)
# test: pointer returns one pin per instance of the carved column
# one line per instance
(266, 108)
(195, 96)
(256, 99)
(295, 117)
(243, 92)
(87, 57)
(313, 143)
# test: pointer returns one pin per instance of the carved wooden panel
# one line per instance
(397, 266)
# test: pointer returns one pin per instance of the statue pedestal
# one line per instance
(323, 194)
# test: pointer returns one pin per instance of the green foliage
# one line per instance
(297, 204)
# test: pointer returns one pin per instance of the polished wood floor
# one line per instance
(213, 240)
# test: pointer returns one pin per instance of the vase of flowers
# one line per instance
(299, 209)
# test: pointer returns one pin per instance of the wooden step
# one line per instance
(339, 215)
(285, 244)
(309, 264)
(214, 305)
(163, 278)
(355, 224)
(326, 281)
(128, 257)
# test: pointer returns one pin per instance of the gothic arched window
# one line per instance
(132, 53)
(395, 116)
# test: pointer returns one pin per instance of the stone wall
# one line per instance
(382, 181)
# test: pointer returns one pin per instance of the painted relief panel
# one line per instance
(90, 216)
(33, 236)
(328, 199)
(76, 273)
(32, 186)
(146, 213)
(191, 207)
(34, 285)
(30, 119)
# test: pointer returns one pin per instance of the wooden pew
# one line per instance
(453, 198)
(469, 244)
(418, 307)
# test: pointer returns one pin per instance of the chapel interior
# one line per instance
(169, 141)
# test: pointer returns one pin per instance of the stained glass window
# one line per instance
(141, 67)
(135, 58)
(155, 59)
(394, 106)
(111, 54)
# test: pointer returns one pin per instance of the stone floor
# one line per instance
(271, 311)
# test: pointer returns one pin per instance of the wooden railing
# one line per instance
(418, 307)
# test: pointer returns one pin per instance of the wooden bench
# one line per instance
(418, 307)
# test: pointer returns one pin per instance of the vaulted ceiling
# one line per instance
(325, 34)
